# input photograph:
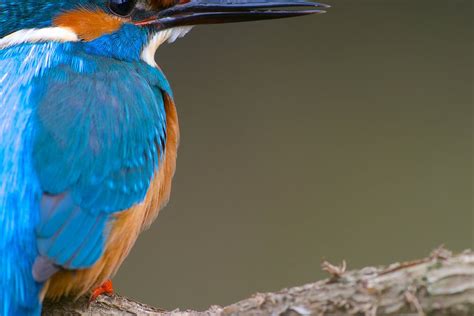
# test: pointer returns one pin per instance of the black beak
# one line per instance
(197, 12)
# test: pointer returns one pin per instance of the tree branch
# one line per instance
(441, 284)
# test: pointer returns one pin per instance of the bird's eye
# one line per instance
(122, 8)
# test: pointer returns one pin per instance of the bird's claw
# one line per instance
(106, 288)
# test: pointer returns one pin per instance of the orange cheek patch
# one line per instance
(88, 24)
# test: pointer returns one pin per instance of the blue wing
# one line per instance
(100, 134)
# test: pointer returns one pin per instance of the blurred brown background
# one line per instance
(345, 135)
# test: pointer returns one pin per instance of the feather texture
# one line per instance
(82, 136)
(126, 225)
(98, 144)
(19, 191)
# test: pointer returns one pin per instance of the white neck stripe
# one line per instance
(47, 34)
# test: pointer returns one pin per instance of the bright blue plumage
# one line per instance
(19, 191)
(86, 146)
(88, 129)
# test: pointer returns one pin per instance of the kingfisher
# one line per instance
(89, 134)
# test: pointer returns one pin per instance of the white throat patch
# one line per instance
(54, 34)
(170, 35)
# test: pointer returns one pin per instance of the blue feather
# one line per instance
(19, 193)
(94, 136)
(77, 144)
(74, 231)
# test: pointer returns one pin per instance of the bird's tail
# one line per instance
(19, 202)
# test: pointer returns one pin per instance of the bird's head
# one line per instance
(131, 29)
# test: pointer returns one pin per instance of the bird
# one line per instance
(89, 134)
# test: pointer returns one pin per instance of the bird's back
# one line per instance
(79, 145)
(19, 188)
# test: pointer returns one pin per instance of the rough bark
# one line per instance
(441, 284)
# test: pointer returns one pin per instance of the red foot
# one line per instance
(106, 288)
